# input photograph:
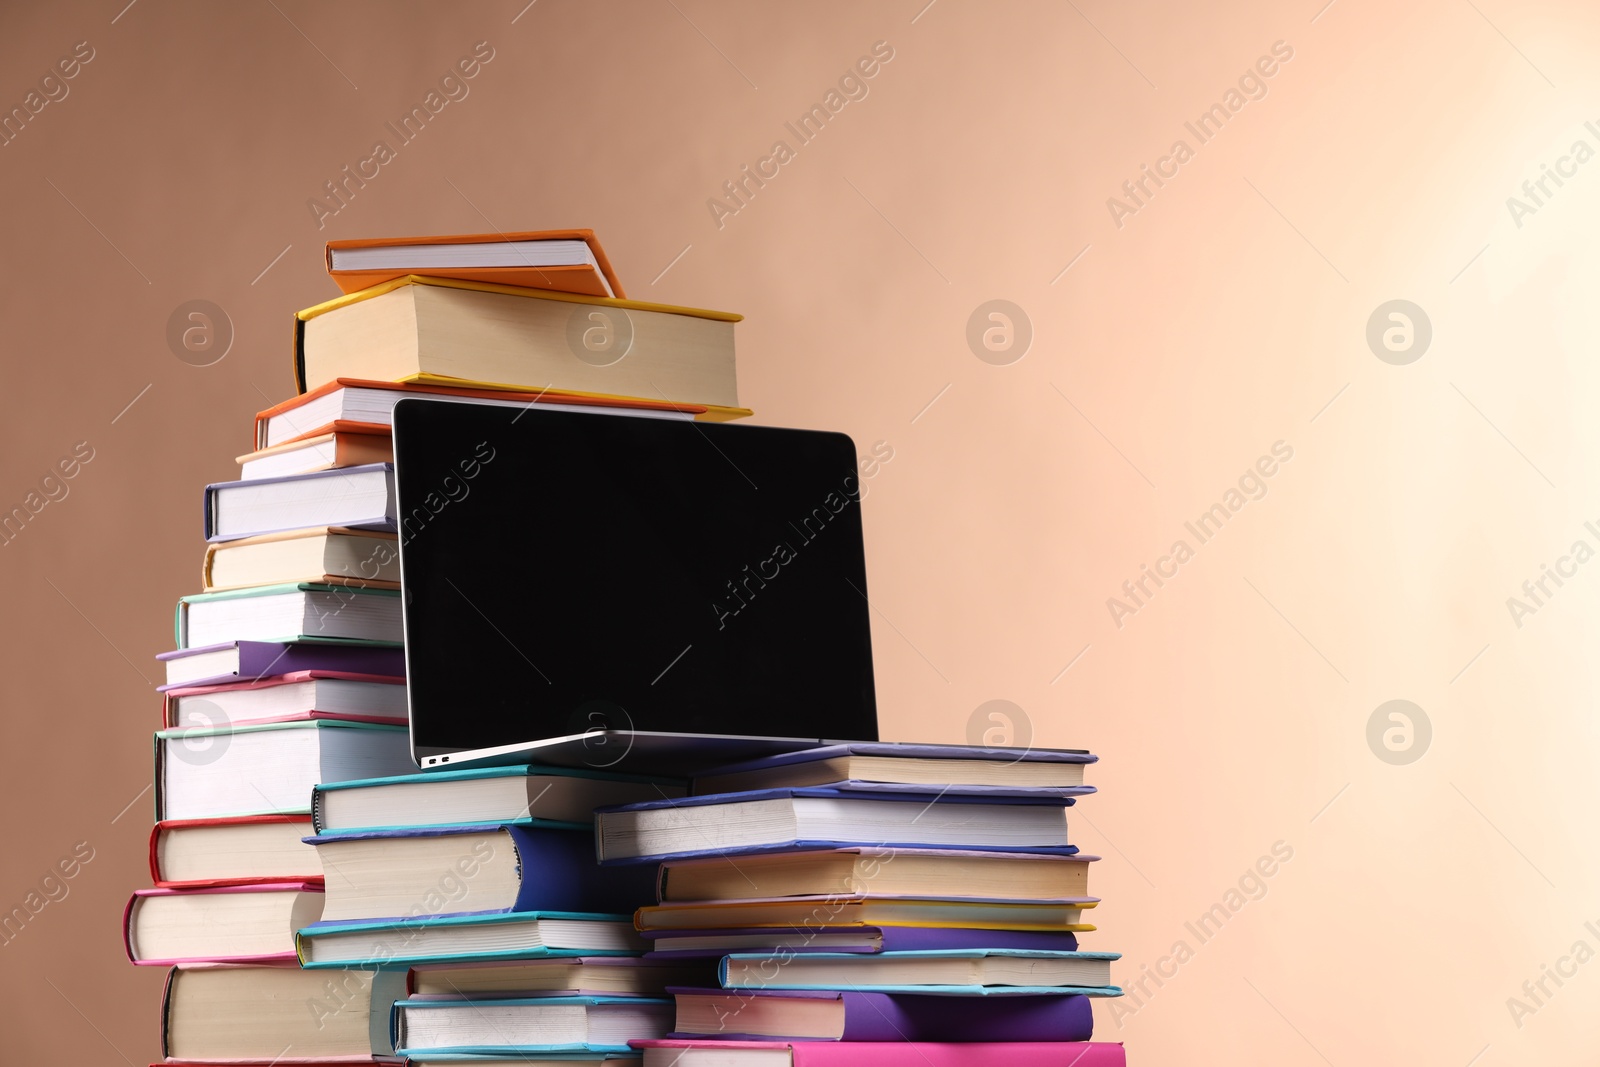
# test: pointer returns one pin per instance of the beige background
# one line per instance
(1228, 313)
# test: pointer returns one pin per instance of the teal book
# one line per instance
(466, 939)
(489, 796)
(302, 611)
(535, 1025)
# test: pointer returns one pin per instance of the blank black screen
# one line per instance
(566, 571)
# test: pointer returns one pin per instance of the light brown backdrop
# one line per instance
(1227, 313)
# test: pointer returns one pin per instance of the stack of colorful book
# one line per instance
(873, 904)
(288, 677)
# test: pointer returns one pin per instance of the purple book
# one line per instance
(249, 661)
(692, 944)
(894, 1017)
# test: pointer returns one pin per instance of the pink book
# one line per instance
(668, 1052)
(286, 698)
(187, 929)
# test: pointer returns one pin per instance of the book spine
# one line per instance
(127, 927)
(155, 854)
(166, 1014)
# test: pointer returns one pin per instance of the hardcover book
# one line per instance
(321, 452)
(883, 872)
(249, 661)
(690, 944)
(828, 817)
(567, 261)
(834, 1015)
(527, 1025)
(900, 763)
(357, 498)
(303, 695)
(303, 611)
(278, 1014)
(595, 975)
(410, 872)
(971, 972)
(328, 556)
(476, 334)
(233, 924)
(843, 911)
(363, 406)
(466, 939)
(197, 853)
(485, 795)
(267, 768)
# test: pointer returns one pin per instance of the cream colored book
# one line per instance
(330, 555)
(433, 329)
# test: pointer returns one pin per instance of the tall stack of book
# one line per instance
(876, 904)
(289, 678)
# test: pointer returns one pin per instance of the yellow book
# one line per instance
(443, 331)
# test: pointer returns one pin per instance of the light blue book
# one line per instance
(467, 939)
(586, 1025)
(296, 611)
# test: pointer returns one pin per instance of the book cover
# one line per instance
(172, 693)
(383, 522)
(159, 876)
(664, 944)
(900, 1053)
(778, 979)
(472, 774)
(399, 1037)
(608, 818)
(597, 280)
(920, 1016)
(256, 660)
(458, 391)
(556, 863)
(287, 956)
(398, 947)
(723, 405)
(910, 750)
(343, 593)
(188, 734)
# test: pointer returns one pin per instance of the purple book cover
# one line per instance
(268, 659)
(903, 1017)
(893, 939)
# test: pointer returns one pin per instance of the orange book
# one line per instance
(355, 406)
(563, 261)
(317, 453)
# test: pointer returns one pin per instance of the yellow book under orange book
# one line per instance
(441, 331)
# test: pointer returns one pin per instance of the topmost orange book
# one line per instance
(564, 261)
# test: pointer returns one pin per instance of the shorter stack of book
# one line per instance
(483, 884)
(873, 903)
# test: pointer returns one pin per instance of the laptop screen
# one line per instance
(566, 572)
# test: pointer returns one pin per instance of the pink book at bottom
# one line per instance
(668, 1052)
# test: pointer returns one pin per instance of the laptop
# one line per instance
(630, 591)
